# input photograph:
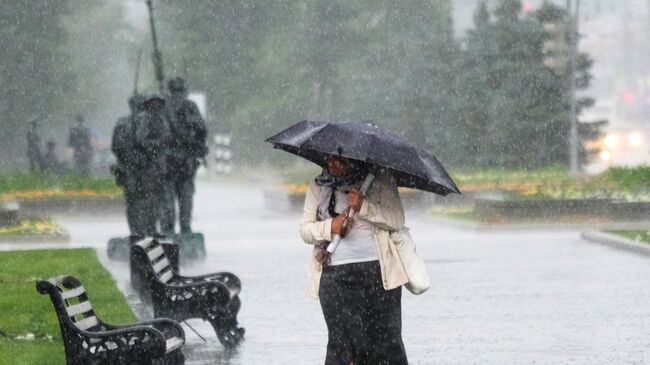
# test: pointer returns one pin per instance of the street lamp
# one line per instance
(635, 139)
(605, 155)
(611, 141)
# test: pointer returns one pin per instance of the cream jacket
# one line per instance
(381, 207)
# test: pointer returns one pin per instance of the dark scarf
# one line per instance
(329, 184)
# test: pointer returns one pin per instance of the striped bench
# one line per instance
(213, 298)
(89, 340)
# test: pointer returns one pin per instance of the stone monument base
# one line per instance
(118, 248)
(191, 246)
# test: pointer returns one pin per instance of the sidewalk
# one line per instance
(497, 297)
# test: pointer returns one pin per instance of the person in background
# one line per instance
(34, 147)
(51, 163)
(79, 141)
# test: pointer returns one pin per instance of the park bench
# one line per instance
(213, 297)
(89, 340)
(139, 267)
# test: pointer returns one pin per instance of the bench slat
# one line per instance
(173, 344)
(82, 307)
(155, 253)
(72, 293)
(166, 276)
(159, 266)
(145, 243)
(87, 323)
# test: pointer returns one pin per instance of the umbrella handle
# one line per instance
(337, 238)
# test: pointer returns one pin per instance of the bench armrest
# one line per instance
(228, 280)
(168, 327)
(198, 289)
(121, 336)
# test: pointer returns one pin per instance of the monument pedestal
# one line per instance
(118, 248)
(191, 246)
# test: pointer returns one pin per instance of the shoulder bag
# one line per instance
(416, 272)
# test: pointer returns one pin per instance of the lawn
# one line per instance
(29, 329)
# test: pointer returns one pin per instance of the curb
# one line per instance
(524, 226)
(616, 242)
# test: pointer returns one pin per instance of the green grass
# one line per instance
(557, 174)
(23, 181)
(23, 310)
(628, 178)
(641, 236)
(624, 183)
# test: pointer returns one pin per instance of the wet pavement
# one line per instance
(534, 297)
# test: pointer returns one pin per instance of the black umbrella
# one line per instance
(411, 167)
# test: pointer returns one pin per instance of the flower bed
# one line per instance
(33, 230)
(38, 185)
(26, 186)
(58, 193)
(293, 188)
(41, 195)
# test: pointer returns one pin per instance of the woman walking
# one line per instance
(359, 285)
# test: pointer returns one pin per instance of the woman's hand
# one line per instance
(355, 198)
(322, 256)
(338, 221)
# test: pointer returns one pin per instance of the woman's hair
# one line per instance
(354, 166)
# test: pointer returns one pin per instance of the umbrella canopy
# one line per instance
(366, 142)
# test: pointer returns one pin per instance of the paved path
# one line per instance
(535, 297)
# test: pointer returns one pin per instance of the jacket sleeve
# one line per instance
(383, 207)
(312, 231)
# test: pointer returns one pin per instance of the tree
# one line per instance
(477, 84)
(516, 106)
(550, 13)
(410, 72)
(35, 81)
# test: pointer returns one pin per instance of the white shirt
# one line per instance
(358, 244)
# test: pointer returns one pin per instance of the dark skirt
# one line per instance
(364, 321)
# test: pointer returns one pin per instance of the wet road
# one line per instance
(535, 297)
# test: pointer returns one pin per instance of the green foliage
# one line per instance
(67, 58)
(624, 183)
(632, 179)
(24, 311)
(514, 108)
(500, 175)
(23, 181)
(36, 36)
(488, 102)
(266, 65)
(639, 236)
